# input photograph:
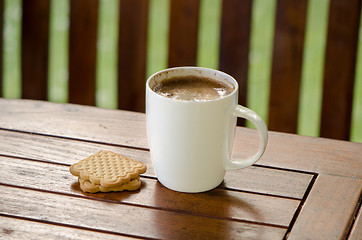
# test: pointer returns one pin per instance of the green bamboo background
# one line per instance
(259, 57)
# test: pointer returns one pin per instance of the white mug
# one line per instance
(191, 141)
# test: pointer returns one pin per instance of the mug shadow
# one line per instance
(218, 213)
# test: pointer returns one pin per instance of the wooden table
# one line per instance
(302, 188)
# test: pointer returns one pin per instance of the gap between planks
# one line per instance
(152, 181)
(69, 202)
(155, 178)
(144, 206)
(299, 209)
(62, 151)
(76, 139)
(71, 226)
(138, 148)
(356, 213)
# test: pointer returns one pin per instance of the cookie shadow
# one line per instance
(118, 197)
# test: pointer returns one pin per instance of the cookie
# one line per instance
(108, 169)
(87, 186)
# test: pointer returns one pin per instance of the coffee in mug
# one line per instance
(192, 88)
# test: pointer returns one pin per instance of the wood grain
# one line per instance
(339, 68)
(241, 206)
(183, 32)
(34, 49)
(287, 65)
(64, 151)
(303, 153)
(125, 219)
(83, 31)
(129, 129)
(74, 122)
(303, 187)
(334, 199)
(13, 228)
(132, 44)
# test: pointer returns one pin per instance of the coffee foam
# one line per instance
(192, 88)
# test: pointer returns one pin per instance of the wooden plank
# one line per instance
(339, 68)
(254, 179)
(246, 179)
(13, 228)
(83, 50)
(234, 44)
(241, 206)
(328, 194)
(75, 122)
(333, 199)
(129, 129)
(132, 44)
(125, 219)
(34, 49)
(1, 45)
(287, 65)
(302, 153)
(183, 33)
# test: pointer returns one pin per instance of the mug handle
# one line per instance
(243, 112)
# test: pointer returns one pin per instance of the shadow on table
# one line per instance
(218, 213)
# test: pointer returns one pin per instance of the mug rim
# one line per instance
(226, 77)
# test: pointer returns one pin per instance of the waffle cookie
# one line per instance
(108, 171)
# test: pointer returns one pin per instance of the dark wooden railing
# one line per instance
(287, 58)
